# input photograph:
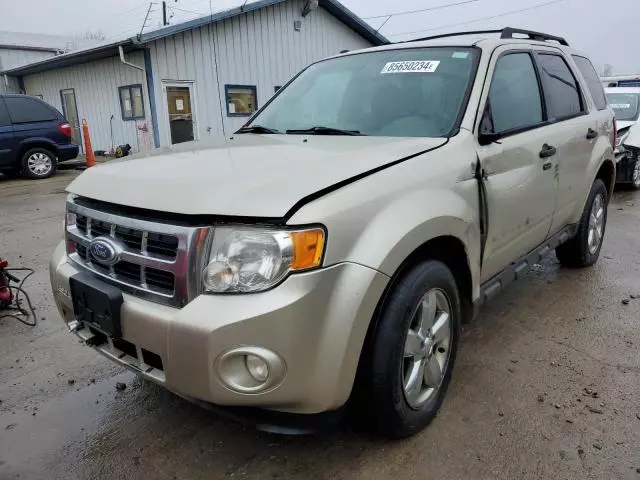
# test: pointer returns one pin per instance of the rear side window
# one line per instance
(514, 98)
(4, 116)
(593, 81)
(29, 110)
(560, 87)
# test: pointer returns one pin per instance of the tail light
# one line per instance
(65, 129)
(615, 133)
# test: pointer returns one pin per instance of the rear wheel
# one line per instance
(414, 350)
(583, 250)
(38, 163)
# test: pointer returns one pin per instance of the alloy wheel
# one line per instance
(427, 348)
(39, 164)
(596, 223)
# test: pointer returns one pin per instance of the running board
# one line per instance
(493, 287)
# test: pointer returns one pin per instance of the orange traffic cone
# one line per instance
(91, 158)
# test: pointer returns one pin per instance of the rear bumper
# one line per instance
(315, 322)
(67, 152)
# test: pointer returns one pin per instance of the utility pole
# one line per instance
(164, 14)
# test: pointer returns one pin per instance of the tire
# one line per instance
(38, 163)
(634, 181)
(425, 292)
(582, 251)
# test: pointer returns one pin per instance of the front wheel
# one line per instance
(583, 250)
(414, 350)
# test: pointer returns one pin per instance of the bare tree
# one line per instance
(81, 40)
(608, 70)
(93, 35)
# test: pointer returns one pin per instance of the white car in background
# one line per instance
(625, 102)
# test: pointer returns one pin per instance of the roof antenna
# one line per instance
(243, 5)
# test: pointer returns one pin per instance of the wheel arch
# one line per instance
(451, 251)
(36, 143)
(607, 173)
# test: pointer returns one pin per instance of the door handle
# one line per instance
(547, 151)
(591, 134)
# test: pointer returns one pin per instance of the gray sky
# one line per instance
(607, 31)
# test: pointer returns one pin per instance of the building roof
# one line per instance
(33, 41)
(103, 50)
(109, 49)
(332, 6)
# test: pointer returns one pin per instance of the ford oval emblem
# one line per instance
(105, 251)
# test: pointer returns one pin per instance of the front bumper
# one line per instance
(316, 322)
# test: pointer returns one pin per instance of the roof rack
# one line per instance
(507, 32)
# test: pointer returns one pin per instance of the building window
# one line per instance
(131, 103)
(242, 100)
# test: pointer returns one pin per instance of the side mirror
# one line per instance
(487, 135)
(488, 138)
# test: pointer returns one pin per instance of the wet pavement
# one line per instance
(546, 385)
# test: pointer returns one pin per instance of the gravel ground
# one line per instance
(546, 385)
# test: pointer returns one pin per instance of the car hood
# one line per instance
(633, 140)
(248, 175)
(620, 124)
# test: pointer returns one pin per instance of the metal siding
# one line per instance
(96, 88)
(12, 58)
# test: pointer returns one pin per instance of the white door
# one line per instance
(180, 112)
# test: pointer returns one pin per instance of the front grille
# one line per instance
(156, 260)
(165, 246)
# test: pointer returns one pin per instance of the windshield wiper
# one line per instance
(325, 131)
(258, 129)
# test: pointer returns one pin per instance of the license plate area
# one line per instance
(96, 304)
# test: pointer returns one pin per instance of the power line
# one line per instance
(439, 7)
(202, 14)
(504, 14)
(116, 18)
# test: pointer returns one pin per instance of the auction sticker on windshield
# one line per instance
(415, 66)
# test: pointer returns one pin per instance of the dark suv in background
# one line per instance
(34, 137)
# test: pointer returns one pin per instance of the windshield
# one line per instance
(625, 105)
(398, 93)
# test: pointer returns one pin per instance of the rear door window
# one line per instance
(514, 98)
(561, 89)
(593, 81)
(29, 110)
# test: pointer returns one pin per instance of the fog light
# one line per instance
(250, 370)
(257, 367)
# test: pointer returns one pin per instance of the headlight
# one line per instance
(247, 259)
